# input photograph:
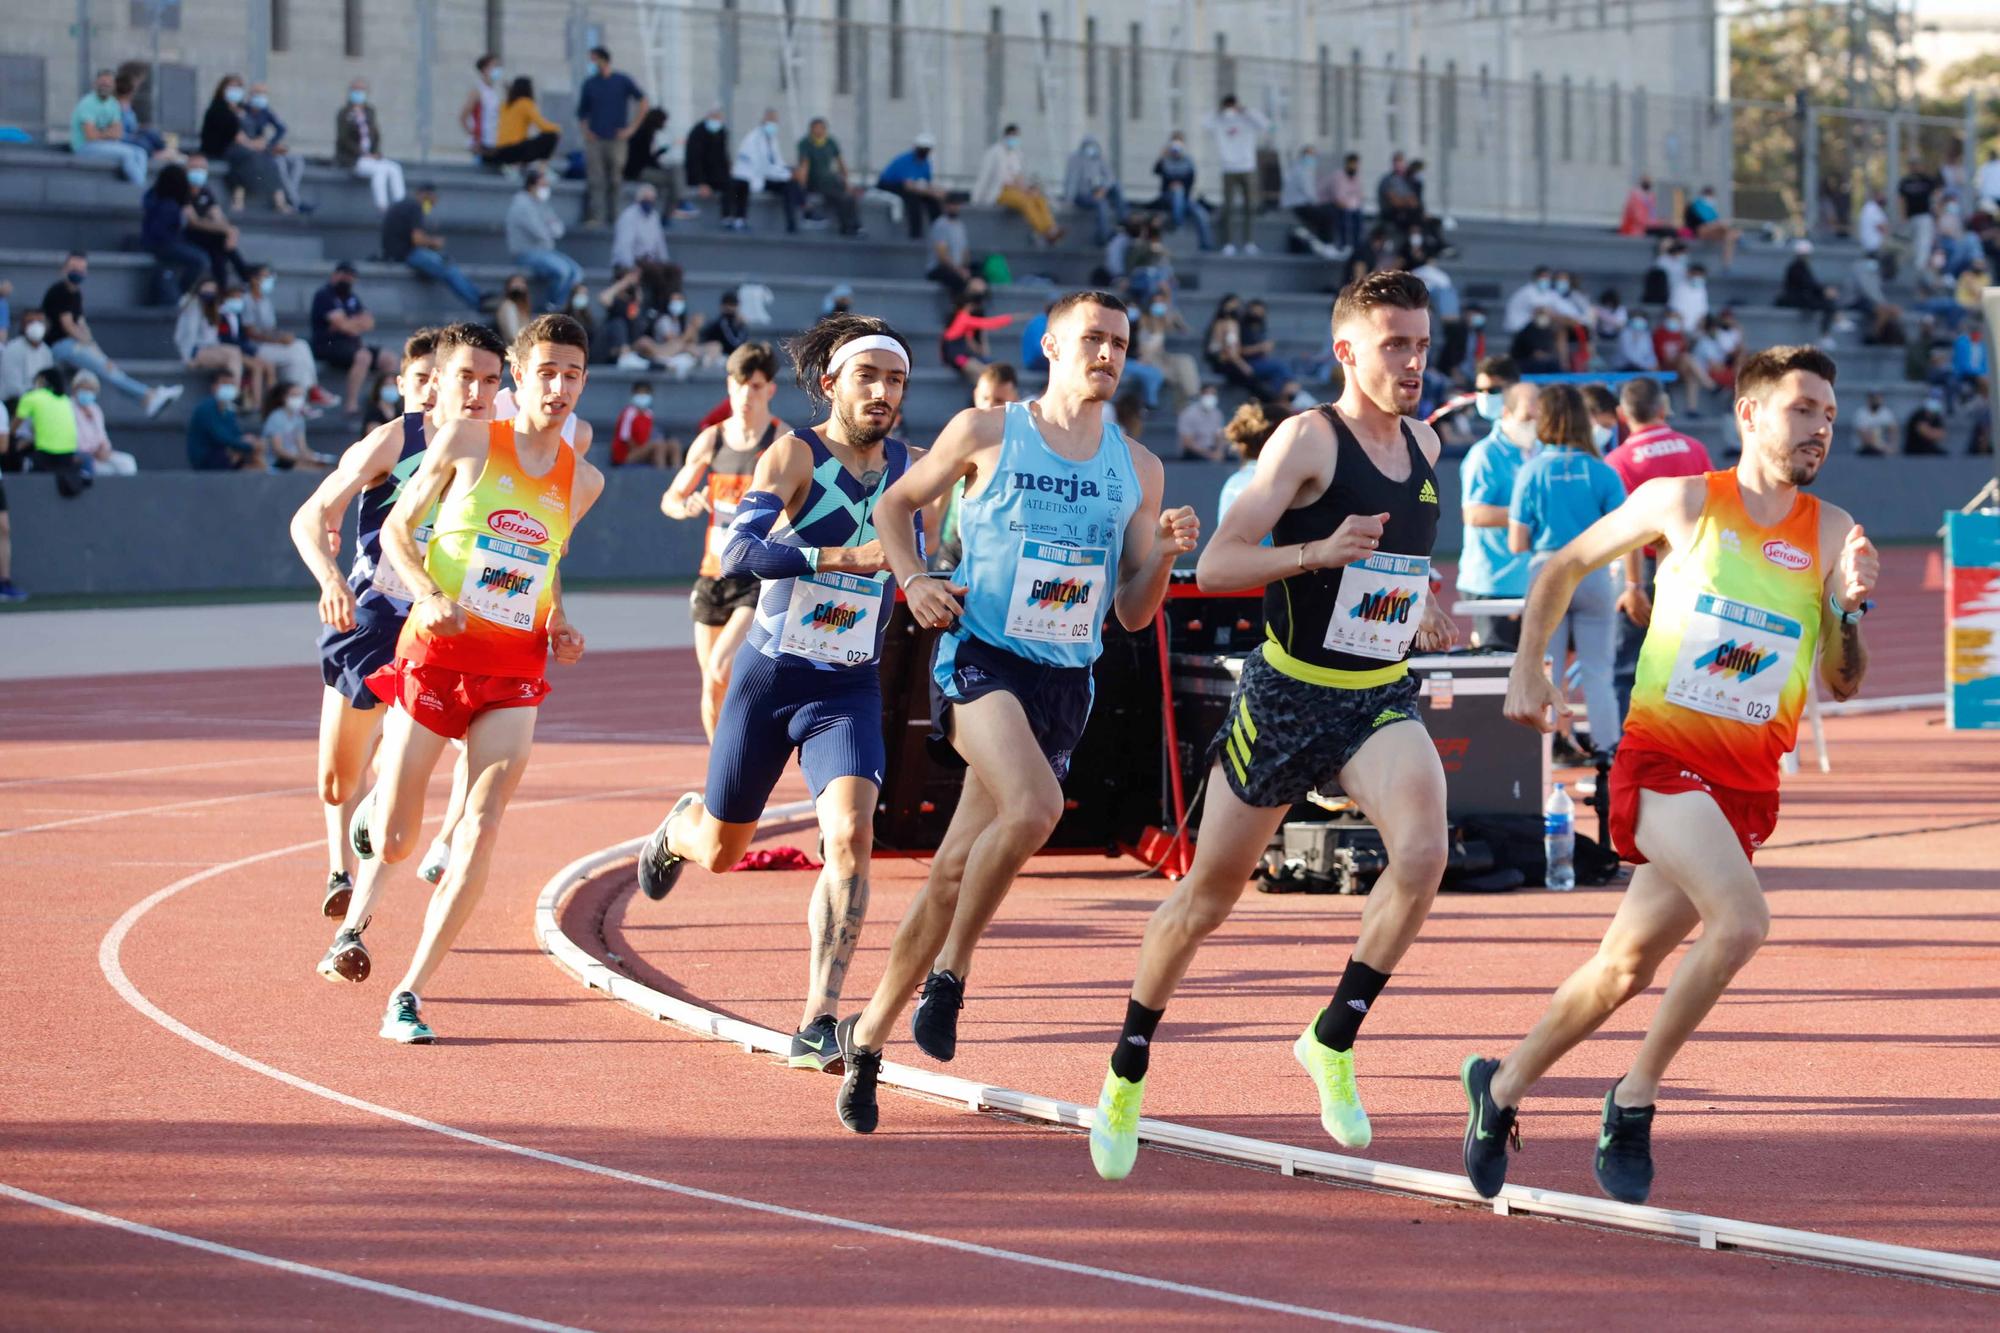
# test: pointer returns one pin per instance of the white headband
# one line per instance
(873, 342)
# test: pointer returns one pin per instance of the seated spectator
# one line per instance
(578, 307)
(1689, 297)
(1130, 413)
(951, 251)
(1608, 317)
(822, 171)
(97, 131)
(632, 439)
(1148, 265)
(210, 228)
(338, 322)
(1091, 185)
(908, 177)
(384, 400)
(1875, 428)
(126, 88)
(1639, 215)
(1801, 288)
(46, 418)
(195, 336)
(224, 141)
(357, 147)
(1199, 426)
(1223, 347)
(1538, 293)
(759, 168)
(624, 330)
(215, 438)
(650, 159)
(1248, 432)
(1259, 348)
(726, 332)
(533, 233)
(1160, 320)
(963, 343)
(1673, 347)
(1004, 180)
(1873, 227)
(284, 431)
(1707, 351)
(705, 159)
(677, 340)
(259, 376)
(291, 358)
(1177, 198)
(25, 357)
(1882, 318)
(479, 117)
(1729, 341)
(1968, 362)
(1344, 191)
(407, 239)
(1971, 288)
(515, 310)
(163, 214)
(1033, 359)
(1311, 204)
(1923, 433)
(75, 348)
(525, 135)
(266, 134)
(93, 439)
(1534, 345)
(1704, 219)
(639, 247)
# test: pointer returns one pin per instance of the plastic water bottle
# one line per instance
(1559, 840)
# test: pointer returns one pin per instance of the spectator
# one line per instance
(126, 88)
(1345, 194)
(338, 322)
(1090, 184)
(639, 246)
(284, 431)
(1710, 354)
(97, 130)
(726, 332)
(908, 177)
(1561, 491)
(1248, 432)
(1259, 348)
(1916, 190)
(292, 359)
(1004, 180)
(1534, 346)
(1148, 265)
(46, 418)
(1652, 449)
(1866, 297)
(1873, 228)
(1641, 211)
(480, 116)
(604, 113)
(1223, 346)
(215, 438)
(1602, 405)
(266, 136)
(1033, 358)
(1311, 204)
(1236, 129)
(1672, 347)
(75, 349)
(525, 134)
(1447, 315)
(163, 213)
(532, 236)
(677, 334)
(1426, 232)
(1968, 361)
(706, 158)
(93, 439)
(822, 171)
(650, 160)
(406, 240)
(951, 251)
(1705, 221)
(1635, 347)
(209, 227)
(632, 439)
(1971, 288)
(1689, 297)
(1177, 198)
(759, 168)
(1488, 568)
(224, 141)
(1608, 317)
(384, 400)
(1396, 202)
(1538, 293)
(627, 340)
(195, 338)
(577, 306)
(1986, 185)
(25, 357)
(1130, 413)
(1923, 433)
(1874, 428)
(1199, 426)
(963, 343)
(1157, 322)
(357, 147)
(1801, 288)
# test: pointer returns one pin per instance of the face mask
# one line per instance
(1175, 149)
(342, 287)
(542, 192)
(197, 176)
(1543, 321)
(771, 128)
(712, 125)
(1488, 405)
(642, 401)
(259, 100)
(646, 207)
(232, 95)
(1697, 283)
(1600, 435)
(1562, 286)
(33, 333)
(1012, 141)
(495, 73)
(677, 306)
(1541, 284)
(391, 395)
(86, 396)
(1477, 321)
(1208, 400)
(356, 96)
(295, 405)
(225, 393)
(1673, 326)
(1158, 309)
(75, 278)
(1638, 325)
(579, 303)
(233, 306)
(842, 307)
(1090, 150)
(264, 285)
(206, 298)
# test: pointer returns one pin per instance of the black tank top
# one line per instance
(1297, 609)
(730, 472)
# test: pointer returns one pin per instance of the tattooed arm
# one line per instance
(1843, 658)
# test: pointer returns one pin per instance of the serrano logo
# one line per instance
(507, 582)
(1785, 555)
(1739, 660)
(836, 616)
(516, 525)
(1065, 593)
(1385, 606)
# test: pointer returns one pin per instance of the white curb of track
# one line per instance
(1710, 1233)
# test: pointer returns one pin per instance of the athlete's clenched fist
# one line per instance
(1355, 539)
(1854, 574)
(934, 603)
(565, 639)
(1179, 529)
(437, 617)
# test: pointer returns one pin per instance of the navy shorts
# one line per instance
(1056, 699)
(348, 657)
(832, 718)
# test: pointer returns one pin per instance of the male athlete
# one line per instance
(1060, 524)
(1346, 496)
(486, 614)
(1759, 577)
(806, 678)
(364, 611)
(725, 456)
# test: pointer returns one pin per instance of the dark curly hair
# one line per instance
(810, 351)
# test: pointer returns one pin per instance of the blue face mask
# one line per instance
(1488, 405)
(233, 306)
(225, 393)
(712, 125)
(86, 396)
(259, 100)
(232, 95)
(646, 207)
(1601, 435)
(356, 96)
(75, 279)
(642, 401)
(197, 176)
(1158, 309)
(1012, 141)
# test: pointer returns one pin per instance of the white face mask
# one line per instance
(225, 393)
(542, 192)
(33, 333)
(295, 405)
(1208, 400)
(1601, 435)
(1488, 405)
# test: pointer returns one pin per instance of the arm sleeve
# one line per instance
(751, 550)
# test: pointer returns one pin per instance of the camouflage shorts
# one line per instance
(1286, 737)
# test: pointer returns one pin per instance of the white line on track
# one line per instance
(137, 772)
(105, 815)
(282, 1265)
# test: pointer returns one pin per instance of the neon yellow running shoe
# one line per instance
(1114, 1131)
(1333, 1074)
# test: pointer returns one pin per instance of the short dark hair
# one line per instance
(424, 342)
(483, 61)
(1760, 373)
(75, 254)
(223, 376)
(642, 386)
(1089, 296)
(750, 358)
(1644, 401)
(465, 333)
(1390, 288)
(1500, 368)
(999, 372)
(558, 329)
(1011, 129)
(730, 298)
(1599, 398)
(599, 53)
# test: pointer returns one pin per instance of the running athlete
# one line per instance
(363, 610)
(1060, 524)
(1347, 497)
(806, 678)
(725, 455)
(1758, 579)
(486, 616)
(576, 432)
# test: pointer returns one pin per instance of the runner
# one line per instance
(577, 433)
(1759, 578)
(1347, 496)
(725, 455)
(806, 677)
(1060, 523)
(363, 610)
(487, 614)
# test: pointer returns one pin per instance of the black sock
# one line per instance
(1340, 1021)
(1135, 1043)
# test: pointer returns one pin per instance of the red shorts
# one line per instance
(1753, 814)
(446, 701)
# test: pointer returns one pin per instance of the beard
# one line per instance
(1798, 471)
(862, 431)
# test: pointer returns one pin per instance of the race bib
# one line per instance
(718, 535)
(1057, 590)
(833, 618)
(1734, 660)
(388, 582)
(504, 581)
(1380, 606)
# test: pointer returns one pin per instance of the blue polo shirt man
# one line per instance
(1486, 568)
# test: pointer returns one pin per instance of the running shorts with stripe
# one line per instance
(778, 705)
(1285, 737)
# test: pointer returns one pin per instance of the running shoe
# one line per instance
(346, 958)
(9, 592)
(403, 1023)
(339, 889)
(358, 836)
(934, 1022)
(816, 1045)
(435, 860)
(159, 396)
(1333, 1074)
(1624, 1162)
(659, 868)
(856, 1102)
(1114, 1131)
(1489, 1127)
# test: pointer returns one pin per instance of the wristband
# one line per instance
(811, 554)
(1848, 617)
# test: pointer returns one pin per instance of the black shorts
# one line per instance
(1286, 737)
(714, 601)
(1056, 699)
(348, 657)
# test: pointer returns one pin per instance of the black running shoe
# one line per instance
(339, 889)
(934, 1022)
(816, 1046)
(1489, 1128)
(1624, 1161)
(346, 958)
(856, 1101)
(659, 868)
